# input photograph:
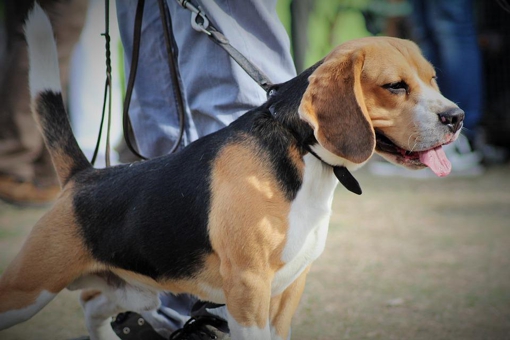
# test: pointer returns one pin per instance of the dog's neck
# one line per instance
(283, 103)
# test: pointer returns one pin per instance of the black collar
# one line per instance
(343, 175)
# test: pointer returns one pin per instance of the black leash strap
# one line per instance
(253, 71)
(107, 92)
(126, 122)
(169, 43)
(166, 21)
(201, 23)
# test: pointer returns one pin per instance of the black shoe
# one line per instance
(132, 326)
(202, 327)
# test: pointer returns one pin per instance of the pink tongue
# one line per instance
(436, 160)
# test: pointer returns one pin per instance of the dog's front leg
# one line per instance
(248, 295)
(284, 306)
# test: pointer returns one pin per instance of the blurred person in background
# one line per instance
(446, 33)
(27, 177)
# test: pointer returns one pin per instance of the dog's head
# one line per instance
(380, 94)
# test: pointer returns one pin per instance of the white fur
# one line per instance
(97, 317)
(111, 301)
(44, 72)
(215, 295)
(130, 296)
(309, 221)
(426, 123)
(240, 332)
(333, 159)
(15, 316)
(275, 336)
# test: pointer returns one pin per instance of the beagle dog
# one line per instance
(238, 216)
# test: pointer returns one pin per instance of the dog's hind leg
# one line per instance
(51, 258)
(98, 309)
(106, 295)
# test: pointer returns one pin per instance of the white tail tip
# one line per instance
(44, 72)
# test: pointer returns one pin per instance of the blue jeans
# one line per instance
(446, 33)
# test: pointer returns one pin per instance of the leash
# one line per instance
(201, 23)
(126, 122)
(107, 92)
(169, 43)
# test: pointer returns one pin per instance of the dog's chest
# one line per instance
(308, 223)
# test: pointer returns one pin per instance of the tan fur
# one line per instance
(283, 306)
(333, 105)
(89, 294)
(51, 258)
(248, 224)
(209, 276)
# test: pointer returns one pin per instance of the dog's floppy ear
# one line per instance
(333, 105)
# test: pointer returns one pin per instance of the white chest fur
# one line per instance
(308, 222)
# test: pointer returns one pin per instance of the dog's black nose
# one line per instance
(452, 118)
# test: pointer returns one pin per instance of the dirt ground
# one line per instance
(409, 259)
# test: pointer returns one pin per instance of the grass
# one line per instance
(409, 259)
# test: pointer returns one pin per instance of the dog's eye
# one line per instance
(397, 87)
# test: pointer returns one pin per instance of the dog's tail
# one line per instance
(46, 92)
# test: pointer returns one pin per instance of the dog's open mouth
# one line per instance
(435, 158)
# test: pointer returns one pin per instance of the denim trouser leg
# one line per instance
(446, 32)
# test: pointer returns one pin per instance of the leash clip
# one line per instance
(199, 20)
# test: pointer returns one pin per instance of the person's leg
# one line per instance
(459, 57)
(27, 174)
(20, 142)
(421, 30)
